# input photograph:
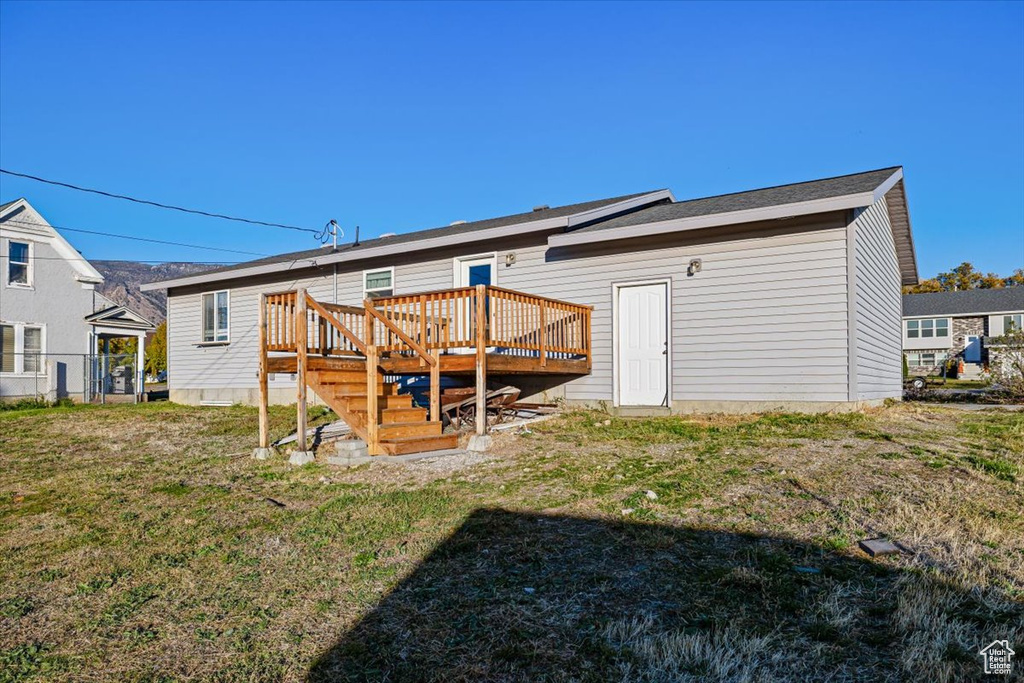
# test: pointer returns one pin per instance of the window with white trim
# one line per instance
(216, 306)
(1013, 322)
(927, 328)
(922, 360)
(19, 264)
(378, 283)
(21, 349)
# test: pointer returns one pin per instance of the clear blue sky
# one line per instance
(404, 116)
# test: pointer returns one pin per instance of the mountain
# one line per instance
(121, 280)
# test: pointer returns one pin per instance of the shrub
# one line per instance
(1008, 364)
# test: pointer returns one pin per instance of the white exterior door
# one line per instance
(470, 272)
(643, 345)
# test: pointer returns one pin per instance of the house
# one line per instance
(960, 325)
(53, 320)
(785, 297)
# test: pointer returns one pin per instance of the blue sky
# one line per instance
(404, 116)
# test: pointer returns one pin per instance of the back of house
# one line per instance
(786, 297)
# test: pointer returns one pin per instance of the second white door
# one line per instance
(643, 345)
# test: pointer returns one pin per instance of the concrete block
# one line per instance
(878, 546)
(349, 445)
(262, 453)
(300, 457)
(479, 443)
(350, 458)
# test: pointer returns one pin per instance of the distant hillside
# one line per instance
(122, 279)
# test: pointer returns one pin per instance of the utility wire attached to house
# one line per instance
(133, 237)
(159, 205)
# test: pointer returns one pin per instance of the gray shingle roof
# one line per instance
(964, 302)
(453, 230)
(752, 199)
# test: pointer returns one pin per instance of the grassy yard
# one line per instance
(141, 543)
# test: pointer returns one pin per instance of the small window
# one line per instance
(912, 329)
(18, 263)
(927, 328)
(942, 327)
(1013, 322)
(921, 360)
(6, 348)
(33, 349)
(378, 283)
(215, 316)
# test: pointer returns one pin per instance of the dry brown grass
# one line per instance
(137, 543)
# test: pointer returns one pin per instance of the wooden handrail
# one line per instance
(397, 331)
(336, 324)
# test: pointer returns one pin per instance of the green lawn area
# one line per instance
(142, 543)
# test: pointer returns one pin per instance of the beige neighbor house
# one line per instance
(964, 325)
(785, 297)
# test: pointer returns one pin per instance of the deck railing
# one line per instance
(503, 320)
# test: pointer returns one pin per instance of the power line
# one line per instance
(137, 239)
(121, 260)
(172, 207)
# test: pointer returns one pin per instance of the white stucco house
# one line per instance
(53, 321)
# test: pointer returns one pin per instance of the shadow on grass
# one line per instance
(526, 597)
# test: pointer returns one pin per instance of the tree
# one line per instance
(964, 277)
(156, 350)
(1008, 362)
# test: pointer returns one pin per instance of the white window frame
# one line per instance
(19, 349)
(915, 359)
(202, 322)
(919, 332)
(30, 264)
(367, 292)
(1016, 319)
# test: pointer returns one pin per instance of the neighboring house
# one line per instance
(958, 325)
(784, 297)
(52, 319)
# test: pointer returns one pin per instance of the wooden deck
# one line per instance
(343, 353)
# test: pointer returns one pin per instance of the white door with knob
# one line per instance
(642, 340)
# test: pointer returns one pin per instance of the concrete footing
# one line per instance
(479, 443)
(262, 453)
(300, 457)
(350, 453)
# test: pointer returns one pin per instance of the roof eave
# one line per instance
(439, 241)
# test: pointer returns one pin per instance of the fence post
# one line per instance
(264, 386)
(371, 400)
(543, 334)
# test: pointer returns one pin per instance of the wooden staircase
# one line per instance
(401, 427)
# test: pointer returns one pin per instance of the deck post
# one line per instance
(481, 359)
(301, 344)
(373, 440)
(543, 333)
(435, 387)
(264, 388)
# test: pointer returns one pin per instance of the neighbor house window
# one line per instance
(215, 316)
(21, 348)
(1013, 322)
(6, 348)
(18, 263)
(33, 345)
(921, 360)
(378, 283)
(929, 327)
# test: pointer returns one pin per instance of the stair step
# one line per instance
(328, 376)
(419, 444)
(358, 389)
(359, 402)
(399, 415)
(407, 429)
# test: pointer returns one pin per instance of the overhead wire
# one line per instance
(160, 205)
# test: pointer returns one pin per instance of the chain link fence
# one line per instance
(98, 378)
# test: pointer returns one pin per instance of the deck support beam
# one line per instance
(301, 344)
(435, 387)
(481, 359)
(264, 376)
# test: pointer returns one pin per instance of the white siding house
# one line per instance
(786, 297)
